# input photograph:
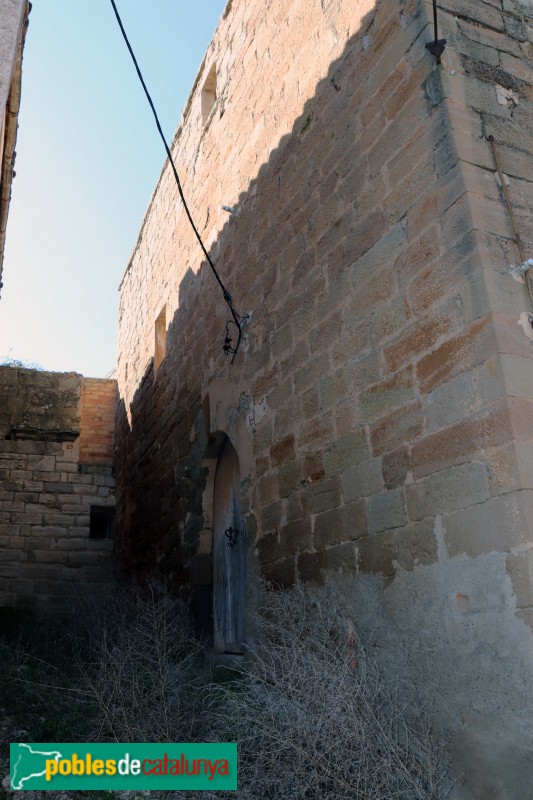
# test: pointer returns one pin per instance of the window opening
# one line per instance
(160, 346)
(209, 93)
(101, 522)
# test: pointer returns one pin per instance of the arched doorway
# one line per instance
(229, 554)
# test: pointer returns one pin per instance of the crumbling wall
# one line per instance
(49, 483)
(380, 403)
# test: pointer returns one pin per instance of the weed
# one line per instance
(312, 716)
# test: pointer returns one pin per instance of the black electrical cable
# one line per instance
(435, 20)
(227, 297)
(436, 47)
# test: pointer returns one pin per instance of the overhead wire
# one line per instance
(237, 320)
(437, 46)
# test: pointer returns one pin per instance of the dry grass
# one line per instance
(145, 673)
(314, 719)
(312, 716)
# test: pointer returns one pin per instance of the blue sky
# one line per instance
(88, 158)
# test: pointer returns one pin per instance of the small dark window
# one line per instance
(101, 522)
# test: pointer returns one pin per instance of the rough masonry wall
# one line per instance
(380, 404)
(13, 26)
(47, 488)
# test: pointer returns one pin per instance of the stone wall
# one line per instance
(380, 404)
(13, 26)
(49, 483)
(11, 19)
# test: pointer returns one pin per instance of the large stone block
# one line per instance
(377, 554)
(463, 440)
(497, 525)
(364, 269)
(503, 375)
(447, 491)
(311, 567)
(345, 453)
(424, 333)
(290, 477)
(383, 398)
(271, 515)
(342, 558)
(339, 525)
(282, 451)
(457, 355)
(403, 425)
(322, 496)
(281, 574)
(396, 467)
(487, 37)
(386, 510)
(363, 480)
(449, 402)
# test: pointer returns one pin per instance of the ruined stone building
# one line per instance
(377, 417)
(56, 487)
(376, 420)
(56, 430)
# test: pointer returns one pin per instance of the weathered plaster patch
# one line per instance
(465, 636)
(525, 320)
(506, 97)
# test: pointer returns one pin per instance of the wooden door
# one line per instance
(229, 554)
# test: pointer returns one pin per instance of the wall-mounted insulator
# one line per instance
(436, 48)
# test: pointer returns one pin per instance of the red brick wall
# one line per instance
(97, 421)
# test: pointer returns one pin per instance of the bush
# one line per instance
(314, 719)
(145, 672)
(16, 363)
